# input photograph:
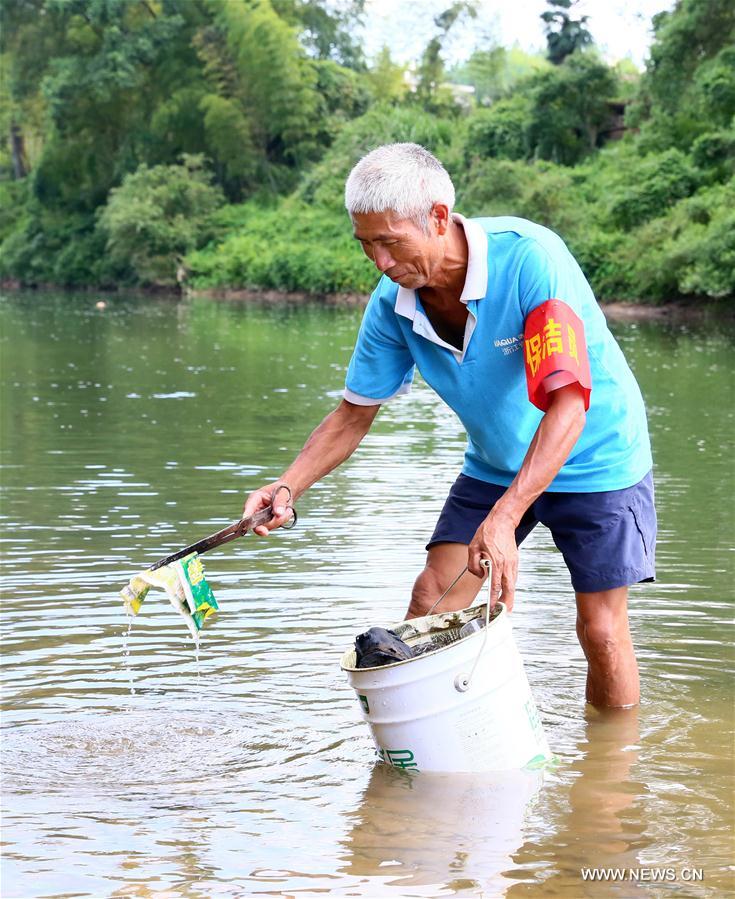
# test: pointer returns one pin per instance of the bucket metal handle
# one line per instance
(431, 610)
(462, 681)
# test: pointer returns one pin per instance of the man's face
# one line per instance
(399, 248)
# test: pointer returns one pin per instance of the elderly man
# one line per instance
(502, 324)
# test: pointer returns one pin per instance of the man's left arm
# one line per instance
(552, 443)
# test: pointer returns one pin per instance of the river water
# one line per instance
(134, 768)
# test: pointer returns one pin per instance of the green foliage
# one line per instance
(292, 247)
(382, 124)
(102, 82)
(502, 130)
(703, 238)
(689, 84)
(639, 226)
(229, 134)
(343, 95)
(714, 82)
(645, 190)
(557, 114)
(142, 82)
(486, 71)
(496, 72)
(430, 92)
(275, 77)
(327, 33)
(51, 247)
(540, 191)
(564, 35)
(157, 216)
(92, 90)
(628, 80)
(714, 154)
(570, 108)
(101, 99)
(386, 79)
(13, 202)
(520, 65)
(711, 261)
(688, 251)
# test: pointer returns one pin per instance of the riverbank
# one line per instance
(615, 310)
(676, 311)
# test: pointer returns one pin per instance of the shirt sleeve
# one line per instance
(382, 365)
(555, 348)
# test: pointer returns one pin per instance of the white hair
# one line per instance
(403, 178)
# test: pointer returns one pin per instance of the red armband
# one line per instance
(554, 341)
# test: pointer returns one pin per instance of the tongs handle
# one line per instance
(231, 532)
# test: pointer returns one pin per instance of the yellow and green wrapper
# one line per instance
(185, 585)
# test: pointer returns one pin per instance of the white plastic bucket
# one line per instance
(423, 714)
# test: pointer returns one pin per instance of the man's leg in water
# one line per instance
(604, 634)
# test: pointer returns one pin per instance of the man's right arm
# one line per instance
(329, 445)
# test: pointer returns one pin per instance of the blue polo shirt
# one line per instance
(514, 265)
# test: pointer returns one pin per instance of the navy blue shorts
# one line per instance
(608, 539)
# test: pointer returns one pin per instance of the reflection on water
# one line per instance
(129, 432)
(420, 829)
(601, 814)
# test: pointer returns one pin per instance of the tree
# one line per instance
(386, 79)
(29, 38)
(113, 64)
(326, 32)
(569, 108)
(430, 70)
(689, 83)
(564, 34)
(342, 94)
(693, 32)
(91, 90)
(486, 72)
(647, 186)
(275, 84)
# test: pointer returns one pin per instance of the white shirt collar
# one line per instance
(475, 281)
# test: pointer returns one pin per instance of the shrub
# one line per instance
(650, 186)
(501, 130)
(157, 216)
(570, 108)
(707, 251)
(50, 247)
(540, 191)
(689, 251)
(714, 154)
(291, 247)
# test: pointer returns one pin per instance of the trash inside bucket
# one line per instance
(465, 705)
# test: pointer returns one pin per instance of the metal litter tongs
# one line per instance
(233, 531)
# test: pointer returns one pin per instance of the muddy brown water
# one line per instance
(130, 768)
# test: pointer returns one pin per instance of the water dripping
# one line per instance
(198, 687)
(126, 652)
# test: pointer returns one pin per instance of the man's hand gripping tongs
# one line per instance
(233, 531)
